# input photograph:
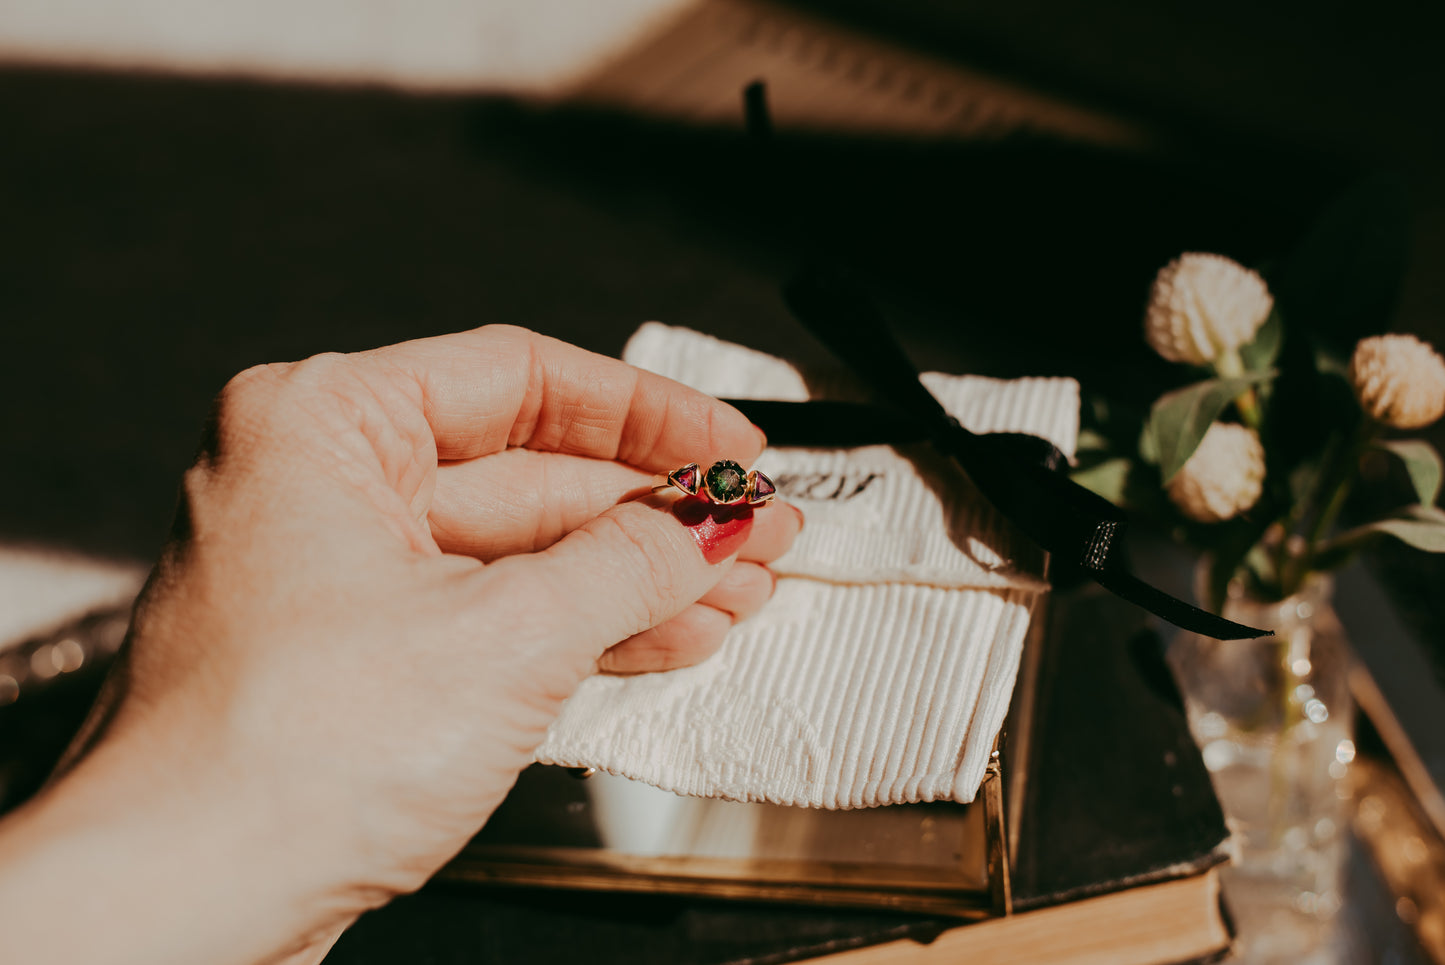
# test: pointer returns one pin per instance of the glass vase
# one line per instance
(1274, 721)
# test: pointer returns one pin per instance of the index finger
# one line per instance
(499, 386)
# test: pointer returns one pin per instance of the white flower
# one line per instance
(1204, 306)
(1223, 478)
(1399, 380)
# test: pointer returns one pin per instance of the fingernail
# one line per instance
(762, 436)
(802, 520)
(719, 531)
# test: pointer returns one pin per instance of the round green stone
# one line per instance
(726, 481)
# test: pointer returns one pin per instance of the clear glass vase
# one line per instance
(1274, 721)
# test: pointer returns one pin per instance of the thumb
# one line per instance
(627, 570)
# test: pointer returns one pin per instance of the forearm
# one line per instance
(130, 859)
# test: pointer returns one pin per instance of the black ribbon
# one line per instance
(1019, 474)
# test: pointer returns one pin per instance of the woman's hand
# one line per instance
(389, 570)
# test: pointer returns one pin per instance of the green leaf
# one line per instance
(1427, 535)
(1422, 462)
(1332, 363)
(1091, 440)
(1109, 479)
(1260, 355)
(1422, 527)
(1262, 565)
(1148, 450)
(1180, 418)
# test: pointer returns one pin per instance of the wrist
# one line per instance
(143, 853)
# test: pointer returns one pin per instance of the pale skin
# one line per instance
(388, 572)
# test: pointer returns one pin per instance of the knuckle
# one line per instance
(250, 386)
(503, 331)
(504, 341)
(318, 371)
(240, 404)
(257, 403)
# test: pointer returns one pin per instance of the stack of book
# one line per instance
(1096, 839)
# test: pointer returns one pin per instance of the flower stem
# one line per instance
(1247, 402)
(1230, 366)
(1282, 755)
(1347, 470)
(1336, 478)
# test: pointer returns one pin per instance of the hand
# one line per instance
(389, 570)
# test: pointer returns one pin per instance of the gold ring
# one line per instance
(724, 483)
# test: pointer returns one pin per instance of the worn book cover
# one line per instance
(1115, 801)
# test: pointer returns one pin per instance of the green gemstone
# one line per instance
(726, 481)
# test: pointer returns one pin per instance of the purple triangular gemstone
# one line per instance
(762, 487)
(686, 478)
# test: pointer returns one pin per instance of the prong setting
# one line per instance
(724, 483)
(760, 488)
(688, 478)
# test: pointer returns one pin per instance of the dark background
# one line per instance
(159, 233)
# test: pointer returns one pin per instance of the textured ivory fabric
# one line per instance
(881, 670)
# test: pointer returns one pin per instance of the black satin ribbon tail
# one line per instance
(1023, 480)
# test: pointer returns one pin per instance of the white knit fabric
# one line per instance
(881, 670)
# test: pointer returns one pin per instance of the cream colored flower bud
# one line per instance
(1203, 306)
(1399, 380)
(1223, 478)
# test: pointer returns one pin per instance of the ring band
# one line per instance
(724, 483)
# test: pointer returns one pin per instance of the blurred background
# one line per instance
(191, 188)
(187, 189)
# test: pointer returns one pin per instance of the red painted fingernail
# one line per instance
(720, 531)
(802, 520)
(762, 436)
